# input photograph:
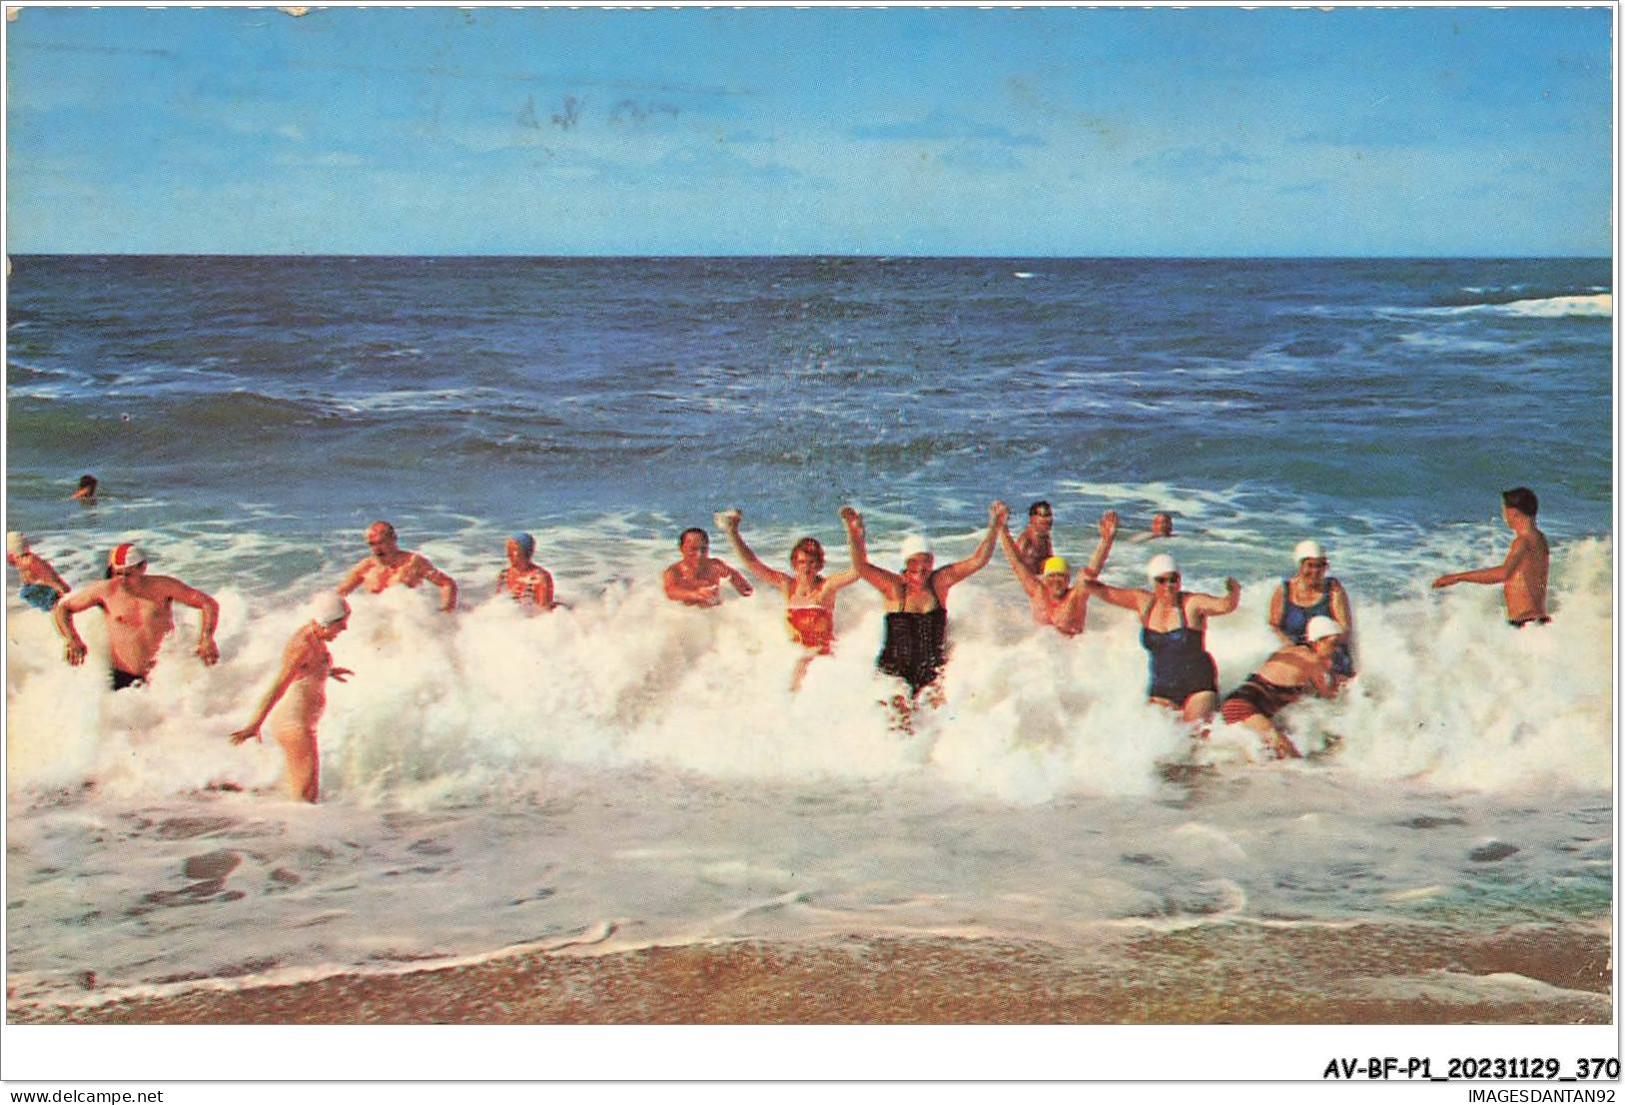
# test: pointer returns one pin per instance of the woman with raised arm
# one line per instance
(809, 596)
(916, 602)
(1173, 630)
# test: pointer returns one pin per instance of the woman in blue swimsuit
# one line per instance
(1173, 629)
(1309, 594)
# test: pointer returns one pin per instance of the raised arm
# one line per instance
(997, 515)
(747, 556)
(1024, 576)
(1103, 547)
(878, 578)
(293, 659)
(1211, 606)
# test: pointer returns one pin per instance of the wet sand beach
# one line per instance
(1232, 974)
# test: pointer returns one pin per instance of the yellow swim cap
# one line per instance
(1056, 565)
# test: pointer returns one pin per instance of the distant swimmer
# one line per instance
(41, 586)
(808, 595)
(1056, 600)
(307, 665)
(1162, 524)
(696, 579)
(1310, 594)
(1033, 546)
(524, 579)
(1173, 629)
(86, 492)
(916, 602)
(1284, 678)
(1523, 573)
(139, 616)
(390, 564)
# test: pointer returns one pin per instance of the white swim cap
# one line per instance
(1321, 626)
(914, 545)
(328, 607)
(1162, 564)
(16, 543)
(1309, 550)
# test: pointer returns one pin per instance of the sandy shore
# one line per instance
(1237, 973)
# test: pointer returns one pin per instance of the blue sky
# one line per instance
(1350, 131)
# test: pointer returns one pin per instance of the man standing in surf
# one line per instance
(307, 665)
(916, 604)
(1523, 573)
(139, 616)
(390, 564)
(696, 579)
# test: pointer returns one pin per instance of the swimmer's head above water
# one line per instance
(916, 554)
(381, 539)
(520, 548)
(808, 552)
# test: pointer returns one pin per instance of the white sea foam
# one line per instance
(640, 770)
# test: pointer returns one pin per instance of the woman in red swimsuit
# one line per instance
(809, 597)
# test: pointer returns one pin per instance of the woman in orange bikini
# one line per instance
(809, 597)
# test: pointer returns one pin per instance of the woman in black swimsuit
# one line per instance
(916, 602)
(1173, 629)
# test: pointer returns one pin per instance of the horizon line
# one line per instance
(850, 256)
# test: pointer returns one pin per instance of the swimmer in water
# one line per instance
(86, 492)
(307, 665)
(41, 586)
(809, 597)
(524, 579)
(1033, 547)
(1523, 573)
(696, 579)
(1162, 524)
(1307, 595)
(916, 603)
(390, 564)
(139, 616)
(1285, 677)
(1173, 630)
(1056, 601)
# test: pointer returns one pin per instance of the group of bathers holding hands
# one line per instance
(1310, 612)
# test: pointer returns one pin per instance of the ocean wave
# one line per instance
(1593, 305)
(627, 679)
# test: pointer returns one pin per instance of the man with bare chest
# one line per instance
(390, 564)
(139, 616)
(1522, 575)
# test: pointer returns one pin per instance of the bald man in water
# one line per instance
(390, 564)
